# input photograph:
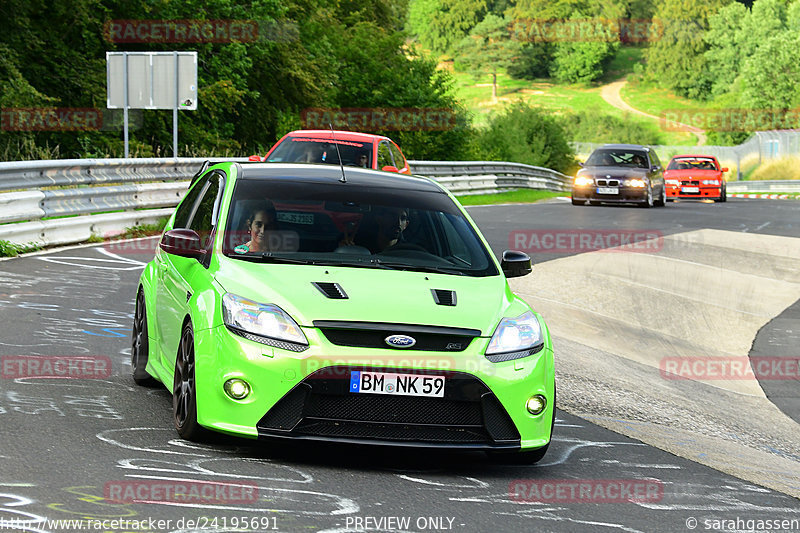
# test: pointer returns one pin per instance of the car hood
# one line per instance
(374, 295)
(692, 173)
(614, 172)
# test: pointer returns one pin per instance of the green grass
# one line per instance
(10, 249)
(623, 63)
(657, 101)
(144, 230)
(476, 95)
(520, 196)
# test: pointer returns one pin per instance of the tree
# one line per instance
(441, 24)
(489, 48)
(675, 57)
(771, 76)
(581, 61)
(527, 135)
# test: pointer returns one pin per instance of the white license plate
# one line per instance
(397, 384)
(690, 189)
(608, 190)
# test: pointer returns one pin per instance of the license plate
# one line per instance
(608, 190)
(690, 189)
(397, 384)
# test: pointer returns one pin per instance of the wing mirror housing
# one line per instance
(183, 243)
(516, 264)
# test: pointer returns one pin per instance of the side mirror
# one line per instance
(254, 158)
(656, 168)
(390, 168)
(724, 169)
(515, 264)
(182, 242)
(581, 163)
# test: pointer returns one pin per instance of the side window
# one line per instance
(384, 156)
(654, 159)
(203, 220)
(186, 207)
(399, 160)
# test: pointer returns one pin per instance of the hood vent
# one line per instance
(334, 291)
(444, 297)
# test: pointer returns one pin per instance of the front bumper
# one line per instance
(623, 194)
(702, 192)
(305, 395)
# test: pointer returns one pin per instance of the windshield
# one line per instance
(280, 220)
(310, 150)
(692, 163)
(617, 158)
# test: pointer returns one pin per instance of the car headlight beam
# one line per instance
(260, 320)
(516, 335)
(582, 181)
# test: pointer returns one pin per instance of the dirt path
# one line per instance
(611, 94)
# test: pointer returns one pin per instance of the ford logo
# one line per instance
(400, 341)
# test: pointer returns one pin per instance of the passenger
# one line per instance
(261, 220)
(639, 161)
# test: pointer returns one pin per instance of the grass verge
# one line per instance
(520, 196)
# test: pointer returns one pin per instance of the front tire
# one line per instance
(184, 390)
(662, 200)
(649, 200)
(723, 195)
(140, 345)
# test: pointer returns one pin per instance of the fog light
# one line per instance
(236, 388)
(536, 404)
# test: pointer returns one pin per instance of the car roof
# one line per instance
(686, 156)
(626, 147)
(338, 134)
(316, 173)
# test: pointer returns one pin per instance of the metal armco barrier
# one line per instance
(67, 201)
(764, 186)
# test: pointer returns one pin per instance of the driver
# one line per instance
(383, 230)
(638, 161)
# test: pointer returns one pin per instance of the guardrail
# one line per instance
(68, 201)
(764, 186)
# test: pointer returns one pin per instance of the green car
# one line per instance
(318, 303)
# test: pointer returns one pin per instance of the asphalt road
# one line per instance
(64, 444)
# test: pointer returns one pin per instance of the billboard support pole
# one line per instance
(125, 106)
(175, 110)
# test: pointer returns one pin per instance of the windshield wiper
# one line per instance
(419, 268)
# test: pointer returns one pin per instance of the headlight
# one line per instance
(710, 182)
(582, 180)
(672, 182)
(636, 183)
(515, 335)
(261, 321)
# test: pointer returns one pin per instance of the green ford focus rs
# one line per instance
(310, 302)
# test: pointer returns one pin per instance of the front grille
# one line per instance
(373, 335)
(607, 183)
(690, 182)
(322, 407)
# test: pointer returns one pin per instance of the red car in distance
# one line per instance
(319, 146)
(695, 176)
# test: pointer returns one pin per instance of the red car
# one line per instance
(695, 176)
(357, 149)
